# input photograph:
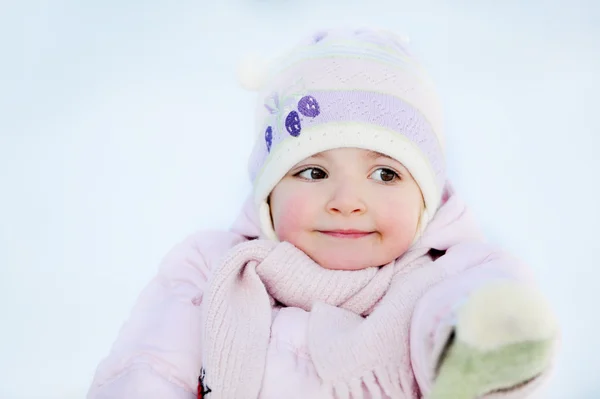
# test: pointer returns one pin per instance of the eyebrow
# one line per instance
(374, 155)
(369, 155)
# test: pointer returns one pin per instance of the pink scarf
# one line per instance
(359, 320)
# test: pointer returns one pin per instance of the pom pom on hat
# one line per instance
(405, 39)
(252, 72)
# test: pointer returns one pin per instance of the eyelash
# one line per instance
(396, 174)
(307, 169)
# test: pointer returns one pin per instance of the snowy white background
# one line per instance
(122, 130)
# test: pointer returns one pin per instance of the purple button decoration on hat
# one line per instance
(269, 137)
(308, 106)
(292, 124)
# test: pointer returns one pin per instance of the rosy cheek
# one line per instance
(293, 213)
(404, 221)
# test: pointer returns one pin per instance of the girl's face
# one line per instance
(348, 208)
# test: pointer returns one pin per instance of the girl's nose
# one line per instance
(346, 200)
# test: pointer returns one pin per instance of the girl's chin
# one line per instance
(344, 267)
(333, 262)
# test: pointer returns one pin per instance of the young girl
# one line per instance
(354, 270)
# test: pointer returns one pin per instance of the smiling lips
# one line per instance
(346, 233)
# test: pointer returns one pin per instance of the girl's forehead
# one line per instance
(358, 153)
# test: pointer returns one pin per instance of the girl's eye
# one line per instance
(312, 174)
(385, 175)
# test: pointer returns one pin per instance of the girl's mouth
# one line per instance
(346, 233)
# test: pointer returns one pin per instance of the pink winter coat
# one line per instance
(158, 351)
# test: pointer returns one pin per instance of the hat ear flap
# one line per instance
(266, 222)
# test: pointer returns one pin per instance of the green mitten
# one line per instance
(504, 337)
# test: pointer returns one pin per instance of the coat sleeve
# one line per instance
(435, 317)
(157, 353)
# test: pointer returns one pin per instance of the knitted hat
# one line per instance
(347, 89)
